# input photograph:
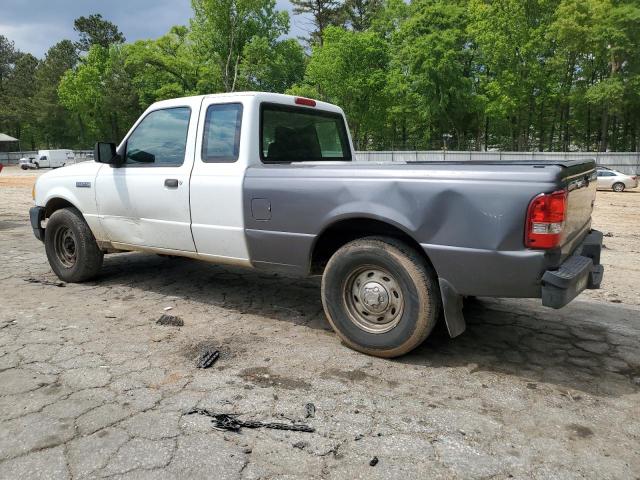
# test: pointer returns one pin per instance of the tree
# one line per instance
(221, 29)
(359, 60)
(432, 78)
(99, 91)
(57, 126)
(323, 13)
(94, 30)
(360, 14)
(165, 67)
(8, 57)
(18, 106)
(271, 67)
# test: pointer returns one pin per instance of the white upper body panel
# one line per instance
(214, 201)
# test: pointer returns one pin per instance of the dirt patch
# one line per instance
(263, 377)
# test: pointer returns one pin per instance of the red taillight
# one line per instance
(305, 101)
(545, 220)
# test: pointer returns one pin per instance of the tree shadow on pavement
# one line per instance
(587, 346)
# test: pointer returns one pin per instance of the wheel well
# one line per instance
(56, 204)
(345, 231)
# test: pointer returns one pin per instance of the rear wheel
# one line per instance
(23, 167)
(380, 296)
(71, 248)
(618, 187)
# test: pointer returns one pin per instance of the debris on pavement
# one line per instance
(309, 410)
(207, 358)
(171, 320)
(166, 309)
(45, 282)
(230, 422)
(608, 234)
(301, 445)
(374, 461)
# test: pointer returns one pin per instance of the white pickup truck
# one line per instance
(267, 181)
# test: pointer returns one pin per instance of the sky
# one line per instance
(36, 25)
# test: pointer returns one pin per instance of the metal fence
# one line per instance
(624, 162)
(12, 158)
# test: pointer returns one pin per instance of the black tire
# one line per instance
(23, 167)
(618, 187)
(404, 277)
(71, 248)
(37, 166)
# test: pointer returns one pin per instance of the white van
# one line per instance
(49, 158)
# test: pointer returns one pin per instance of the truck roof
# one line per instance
(260, 96)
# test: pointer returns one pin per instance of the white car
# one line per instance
(28, 162)
(614, 180)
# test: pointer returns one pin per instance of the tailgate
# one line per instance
(579, 179)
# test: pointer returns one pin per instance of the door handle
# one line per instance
(171, 183)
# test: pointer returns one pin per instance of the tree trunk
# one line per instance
(541, 128)
(486, 133)
(587, 139)
(604, 129)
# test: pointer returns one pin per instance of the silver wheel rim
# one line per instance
(373, 299)
(65, 246)
(618, 188)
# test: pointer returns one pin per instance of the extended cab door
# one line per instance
(217, 179)
(145, 202)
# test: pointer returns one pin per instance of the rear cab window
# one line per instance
(300, 134)
(221, 138)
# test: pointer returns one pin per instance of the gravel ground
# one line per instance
(91, 386)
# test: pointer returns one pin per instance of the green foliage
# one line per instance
(101, 93)
(499, 74)
(322, 14)
(94, 30)
(271, 67)
(359, 60)
(221, 29)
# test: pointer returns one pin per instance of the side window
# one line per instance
(222, 124)
(160, 139)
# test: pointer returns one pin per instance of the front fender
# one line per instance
(77, 190)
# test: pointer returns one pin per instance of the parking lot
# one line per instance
(91, 386)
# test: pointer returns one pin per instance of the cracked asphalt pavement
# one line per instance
(92, 387)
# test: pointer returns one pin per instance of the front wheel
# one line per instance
(71, 248)
(23, 167)
(37, 166)
(380, 296)
(618, 187)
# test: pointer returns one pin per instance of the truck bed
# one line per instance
(467, 215)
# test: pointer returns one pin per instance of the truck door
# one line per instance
(145, 202)
(216, 181)
(43, 161)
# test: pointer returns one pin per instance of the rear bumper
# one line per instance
(578, 272)
(36, 215)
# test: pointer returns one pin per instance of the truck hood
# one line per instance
(79, 169)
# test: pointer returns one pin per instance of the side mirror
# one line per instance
(105, 152)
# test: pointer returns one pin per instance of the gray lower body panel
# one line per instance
(490, 273)
(284, 252)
